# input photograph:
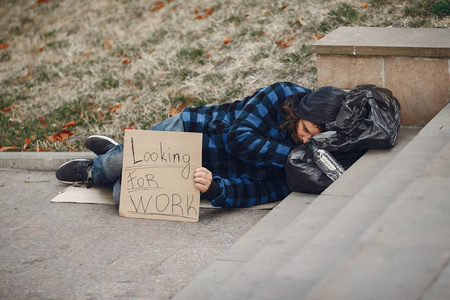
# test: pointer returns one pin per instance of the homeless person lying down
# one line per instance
(245, 144)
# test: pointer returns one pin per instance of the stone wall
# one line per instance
(413, 63)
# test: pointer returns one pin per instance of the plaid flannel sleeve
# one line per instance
(239, 192)
(248, 138)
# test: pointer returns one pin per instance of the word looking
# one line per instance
(163, 156)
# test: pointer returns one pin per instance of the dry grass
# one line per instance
(113, 64)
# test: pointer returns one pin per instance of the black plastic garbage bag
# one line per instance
(369, 118)
(303, 175)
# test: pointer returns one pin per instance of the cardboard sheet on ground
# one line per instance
(102, 195)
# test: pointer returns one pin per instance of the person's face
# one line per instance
(306, 130)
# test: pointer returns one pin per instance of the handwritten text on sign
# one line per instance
(157, 175)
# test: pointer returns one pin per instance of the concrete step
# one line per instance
(240, 272)
(253, 275)
(204, 284)
(222, 268)
(339, 238)
(405, 250)
(440, 288)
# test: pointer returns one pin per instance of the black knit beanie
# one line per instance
(320, 107)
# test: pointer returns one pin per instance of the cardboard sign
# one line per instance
(157, 175)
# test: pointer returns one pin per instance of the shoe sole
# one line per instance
(105, 138)
(70, 182)
(102, 137)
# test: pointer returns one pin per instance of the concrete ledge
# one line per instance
(385, 41)
(413, 63)
(39, 161)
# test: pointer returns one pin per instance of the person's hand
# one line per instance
(202, 179)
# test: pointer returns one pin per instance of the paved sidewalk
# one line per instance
(67, 251)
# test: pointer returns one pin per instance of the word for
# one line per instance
(165, 204)
(139, 182)
(163, 156)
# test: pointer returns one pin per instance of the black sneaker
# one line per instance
(76, 172)
(100, 144)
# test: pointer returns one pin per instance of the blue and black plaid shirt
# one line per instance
(243, 146)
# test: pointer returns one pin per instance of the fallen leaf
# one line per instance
(285, 42)
(318, 36)
(129, 127)
(71, 123)
(364, 5)
(174, 111)
(3, 148)
(159, 5)
(42, 1)
(208, 13)
(6, 109)
(27, 142)
(284, 6)
(226, 40)
(126, 61)
(41, 49)
(56, 136)
(115, 108)
(281, 44)
(99, 116)
(64, 134)
(108, 45)
(4, 46)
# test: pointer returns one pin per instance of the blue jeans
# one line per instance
(107, 168)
